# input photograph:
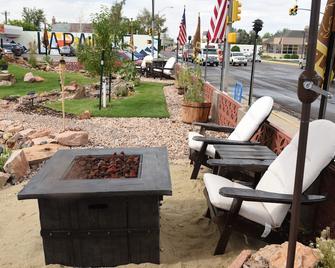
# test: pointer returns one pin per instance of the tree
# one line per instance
(280, 33)
(252, 36)
(243, 37)
(25, 25)
(235, 49)
(267, 35)
(109, 27)
(144, 20)
(33, 16)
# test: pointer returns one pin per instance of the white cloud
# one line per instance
(273, 13)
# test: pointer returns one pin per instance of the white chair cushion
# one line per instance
(280, 176)
(146, 59)
(196, 145)
(252, 120)
(254, 211)
(170, 63)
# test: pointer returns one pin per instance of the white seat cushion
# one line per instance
(170, 63)
(254, 211)
(252, 120)
(146, 59)
(196, 145)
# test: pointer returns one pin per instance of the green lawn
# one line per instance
(51, 81)
(148, 101)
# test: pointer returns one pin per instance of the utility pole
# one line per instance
(153, 31)
(225, 62)
(6, 13)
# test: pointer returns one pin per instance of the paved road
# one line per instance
(272, 79)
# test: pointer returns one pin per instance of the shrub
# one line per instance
(32, 58)
(294, 56)
(4, 157)
(128, 71)
(326, 247)
(48, 59)
(3, 61)
(183, 77)
(195, 87)
(235, 49)
(287, 56)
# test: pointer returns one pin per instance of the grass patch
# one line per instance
(50, 83)
(148, 101)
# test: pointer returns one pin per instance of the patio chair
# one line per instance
(201, 147)
(235, 206)
(143, 69)
(167, 70)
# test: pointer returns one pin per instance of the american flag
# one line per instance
(182, 37)
(218, 22)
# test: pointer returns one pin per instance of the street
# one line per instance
(272, 79)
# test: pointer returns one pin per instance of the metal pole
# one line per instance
(101, 75)
(252, 71)
(222, 71)
(303, 45)
(227, 45)
(110, 87)
(153, 27)
(132, 40)
(307, 97)
(206, 59)
(328, 72)
(6, 13)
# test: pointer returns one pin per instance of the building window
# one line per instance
(290, 49)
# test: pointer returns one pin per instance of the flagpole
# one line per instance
(329, 68)
(222, 69)
(227, 45)
(206, 58)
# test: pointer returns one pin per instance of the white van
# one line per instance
(238, 58)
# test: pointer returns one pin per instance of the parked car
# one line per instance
(249, 57)
(12, 48)
(238, 58)
(302, 63)
(67, 51)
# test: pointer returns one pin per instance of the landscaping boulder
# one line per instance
(275, 256)
(29, 77)
(16, 141)
(70, 88)
(240, 259)
(5, 83)
(17, 165)
(4, 177)
(43, 140)
(85, 115)
(38, 79)
(39, 153)
(27, 132)
(40, 133)
(80, 93)
(14, 129)
(120, 89)
(73, 138)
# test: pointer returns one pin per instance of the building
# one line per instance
(9, 33)
(66, 27)
(290, 43)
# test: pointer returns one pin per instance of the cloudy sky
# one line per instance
(274, 13)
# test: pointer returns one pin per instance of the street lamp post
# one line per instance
(258, 25)
(152, 28)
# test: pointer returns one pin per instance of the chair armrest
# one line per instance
(241, 163)
(268, 197)
(214, 127)
(210, 140)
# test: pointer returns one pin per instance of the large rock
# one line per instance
(40, 133)
(80, 93)
(29, 77)
(14, 129)
(4, 177)
(17, 165)
(38, 79)
(27, 132)
(274, 256)
(5, 83)
(43, 140)
(85, 115)
(73, 138)
(5, 77)
(39, 153)
(240, 259)
(16, 141)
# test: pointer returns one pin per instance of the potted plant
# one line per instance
(3, 64)
(194, 107)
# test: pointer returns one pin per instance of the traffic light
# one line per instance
(236, 11)
(258, 26)
(293, 11)
(232, 38)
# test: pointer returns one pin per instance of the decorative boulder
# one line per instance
(38, 79)
(80, 93)
(4, 177)
(73, 138)
(40, 133)
(85, 115)
(17, 165)
(29, 77)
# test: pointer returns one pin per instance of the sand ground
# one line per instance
(187, 238)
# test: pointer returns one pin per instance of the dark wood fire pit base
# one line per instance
(100, 232)
(90, 222)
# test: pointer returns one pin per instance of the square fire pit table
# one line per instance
(100, 207)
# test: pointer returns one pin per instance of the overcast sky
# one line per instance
(274, 13)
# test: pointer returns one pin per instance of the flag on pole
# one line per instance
(197, 40)
(182, 37)
(327, 26)
(218, 22)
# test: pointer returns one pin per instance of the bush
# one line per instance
(128, 71)
(4, 157)
(326, 247)
(235, 49)
(287, 56)
(195, 87)
(294, 56)
(48, 59)
(32, 58)
(3, 61)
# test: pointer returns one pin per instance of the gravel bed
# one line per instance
(123, 132)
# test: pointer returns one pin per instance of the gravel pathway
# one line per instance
(123, 132)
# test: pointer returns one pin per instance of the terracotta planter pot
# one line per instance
(195, 112)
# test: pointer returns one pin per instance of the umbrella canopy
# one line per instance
(45, 40)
